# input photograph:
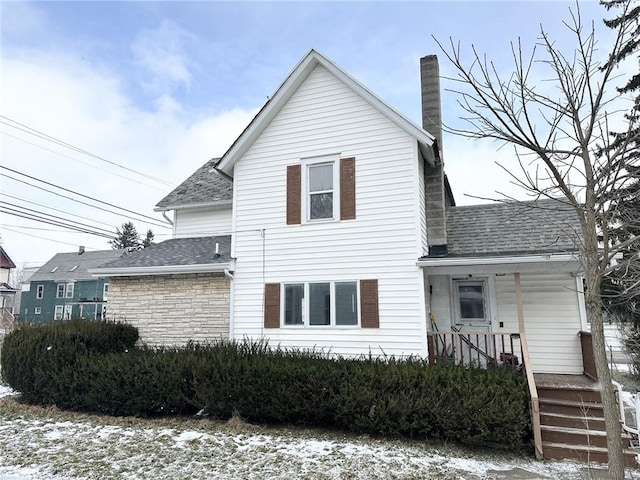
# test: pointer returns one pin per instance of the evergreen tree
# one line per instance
(129, 239)
(148, 241)
(621, 288)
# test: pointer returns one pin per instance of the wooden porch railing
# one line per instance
(588, 362)
(489, 349)
(473, 348)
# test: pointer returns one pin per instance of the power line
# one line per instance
(154, 221)
(45, 238)
(55, 209)
(49, 217)
(37, 133)
(38, 218)
(84, 163)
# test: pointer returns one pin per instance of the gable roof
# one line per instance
(5, 261)
(177, 255)
(290, 85)
(512, 228)
(206, 187)
(66, 261)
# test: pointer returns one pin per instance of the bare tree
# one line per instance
(559, 127)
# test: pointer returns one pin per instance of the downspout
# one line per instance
(229, 275)
(164, 214)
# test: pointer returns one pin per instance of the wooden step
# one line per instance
(591, 395)
(570, 407)
(572, 421)
(573, 436)
(583, 453)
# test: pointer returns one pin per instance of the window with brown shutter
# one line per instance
(294, 192)
(347, 188)
(369, 315)
(271, 305)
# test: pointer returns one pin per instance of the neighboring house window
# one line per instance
(58, 312)
(105, 291)
(55, 269)
(60, 290)
(37, 310)
(73, 269)
(69, 293)
(321, 304)
(40, 292)
(67, 312)
(324, 190)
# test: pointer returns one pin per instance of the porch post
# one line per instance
(526, 362)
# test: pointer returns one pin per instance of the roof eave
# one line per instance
(569, 262)
(284, 92)
(218, 205)
(160, 270)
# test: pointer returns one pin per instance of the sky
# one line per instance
(121, 101)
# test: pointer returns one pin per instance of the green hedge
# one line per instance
(390, 397)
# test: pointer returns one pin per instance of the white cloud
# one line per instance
(161, 52)
(86, 105)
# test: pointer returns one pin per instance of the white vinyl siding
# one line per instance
(552, 319)
(324, 117)
(202, 222)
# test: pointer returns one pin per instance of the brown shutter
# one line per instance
(369, 315)
(347, 188)
(271, 305)
(293, 194)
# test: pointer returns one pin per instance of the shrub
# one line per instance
(380, 396)
(32, 356)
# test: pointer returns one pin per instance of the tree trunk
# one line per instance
(594, 312)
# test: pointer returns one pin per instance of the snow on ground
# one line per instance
(47, 444)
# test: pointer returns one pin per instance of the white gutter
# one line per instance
(228, 274)
(217, 205)
(164, 214)
(159, 270)
(464, 261)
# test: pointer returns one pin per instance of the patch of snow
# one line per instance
(6, 391)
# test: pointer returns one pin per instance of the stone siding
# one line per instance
(172, 309)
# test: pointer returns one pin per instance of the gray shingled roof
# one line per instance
(501, 229)
(66, 261)
(177, 251)
(205, 186)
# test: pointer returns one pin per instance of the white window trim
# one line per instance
(68, 290)
(105, 291)
(306, 313)
(490, 298)
(68, 311)
(64, 290)
(37, 311)
(39, 292)
(305, 204)
(58, 312)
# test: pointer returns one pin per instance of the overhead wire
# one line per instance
(5, 227)
(37, 133)
(85, 163)
(153, 220)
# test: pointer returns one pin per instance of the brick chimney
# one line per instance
(434, 175)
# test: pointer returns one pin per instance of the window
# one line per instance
(321, 304)
(105, 291)
(471, 308)
(320, 191)
(58, 312)
(40, 292)
(67, 312)
(60, 290)
(69, 290)
(37, 310)
(73, 269)
(55, 269)
(321, 188)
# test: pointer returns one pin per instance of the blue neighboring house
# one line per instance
(62, 288)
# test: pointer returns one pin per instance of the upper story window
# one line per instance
(40, 292)
(320, 194)
(64, 290)
(55, 269)
(74, 268)
(321, 189)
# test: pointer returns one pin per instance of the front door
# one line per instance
(471, 312)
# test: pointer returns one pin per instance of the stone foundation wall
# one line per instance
(172, 309)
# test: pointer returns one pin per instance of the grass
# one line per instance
(58, 444)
